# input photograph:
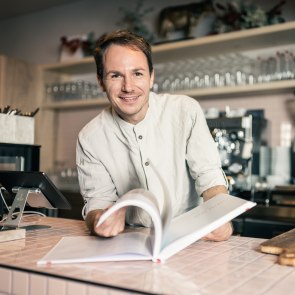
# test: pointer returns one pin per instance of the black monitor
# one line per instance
(34, 180)
(34, 188)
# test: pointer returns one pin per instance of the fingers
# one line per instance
(108, 229)
(223, 233)
(112, 226)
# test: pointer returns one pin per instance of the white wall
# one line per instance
(35, 37)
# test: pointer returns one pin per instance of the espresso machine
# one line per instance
(238, 140)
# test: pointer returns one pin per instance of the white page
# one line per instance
(143, 199)
(166, 214)
(126, 246)
(198, 222)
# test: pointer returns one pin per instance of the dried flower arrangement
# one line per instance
(238, 15)
(133, 20)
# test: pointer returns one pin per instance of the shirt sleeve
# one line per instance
(202, 155)
(96, 185)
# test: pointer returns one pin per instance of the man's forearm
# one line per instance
(92, 218)
(225, 231)
(213, 191)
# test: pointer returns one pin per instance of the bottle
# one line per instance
(293, 162)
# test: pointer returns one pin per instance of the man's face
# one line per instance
(127, 82)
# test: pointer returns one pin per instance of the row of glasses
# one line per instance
(199, 73)
(234, 69)
(79, 89)
(276, 67)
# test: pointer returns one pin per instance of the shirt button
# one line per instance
(140, 136)
(146, 163)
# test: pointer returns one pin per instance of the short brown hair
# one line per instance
(123, 38)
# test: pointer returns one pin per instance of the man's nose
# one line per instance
(127, 83)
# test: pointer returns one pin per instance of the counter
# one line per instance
(232, 267)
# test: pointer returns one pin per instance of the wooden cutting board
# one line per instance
(282, 245)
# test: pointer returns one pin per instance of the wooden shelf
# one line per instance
(269, 36)
(73, 104)
(251, 39)
(81, 66)
(246, 90)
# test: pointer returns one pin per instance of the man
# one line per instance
(143, 140)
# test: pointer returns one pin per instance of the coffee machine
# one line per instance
(238, 140)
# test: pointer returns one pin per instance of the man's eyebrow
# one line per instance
(113, 72)
(120, 73)
(138, 69)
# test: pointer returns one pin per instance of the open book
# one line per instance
(164, 239)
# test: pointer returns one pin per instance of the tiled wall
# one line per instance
(22, 283)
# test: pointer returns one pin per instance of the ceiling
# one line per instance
(14, 8)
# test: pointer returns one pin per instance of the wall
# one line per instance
(35, 38)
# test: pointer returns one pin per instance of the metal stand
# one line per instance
(18, 206)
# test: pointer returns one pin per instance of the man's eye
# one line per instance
(138, 74)
(116, 76)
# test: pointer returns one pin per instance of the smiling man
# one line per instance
(141, 131)
(127, 81)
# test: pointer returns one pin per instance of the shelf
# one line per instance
(251, 39)
(74, 104)
(268, 36)
(81, 66)
(218, 92)
(247, 90)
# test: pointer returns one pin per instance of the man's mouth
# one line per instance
(129, 98)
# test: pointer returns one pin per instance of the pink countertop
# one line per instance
(232, 267)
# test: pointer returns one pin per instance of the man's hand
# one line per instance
(114, 225)
(224, 232)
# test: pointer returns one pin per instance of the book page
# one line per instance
(126, 246)
(166, 214)
(198, 222)
(145, 200)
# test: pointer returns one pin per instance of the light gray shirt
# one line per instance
(171, 148)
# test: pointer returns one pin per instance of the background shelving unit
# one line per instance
(76, 104)
(234, 42)
(265, 37)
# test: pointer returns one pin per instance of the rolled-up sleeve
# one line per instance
(96, 185)
(202, 155)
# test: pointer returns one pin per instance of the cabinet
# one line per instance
(266, 37)
(19, 84)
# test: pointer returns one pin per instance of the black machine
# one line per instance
(239, 140)
(243, 146)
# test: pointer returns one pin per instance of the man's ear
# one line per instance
(152, 79)
(101, 84)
